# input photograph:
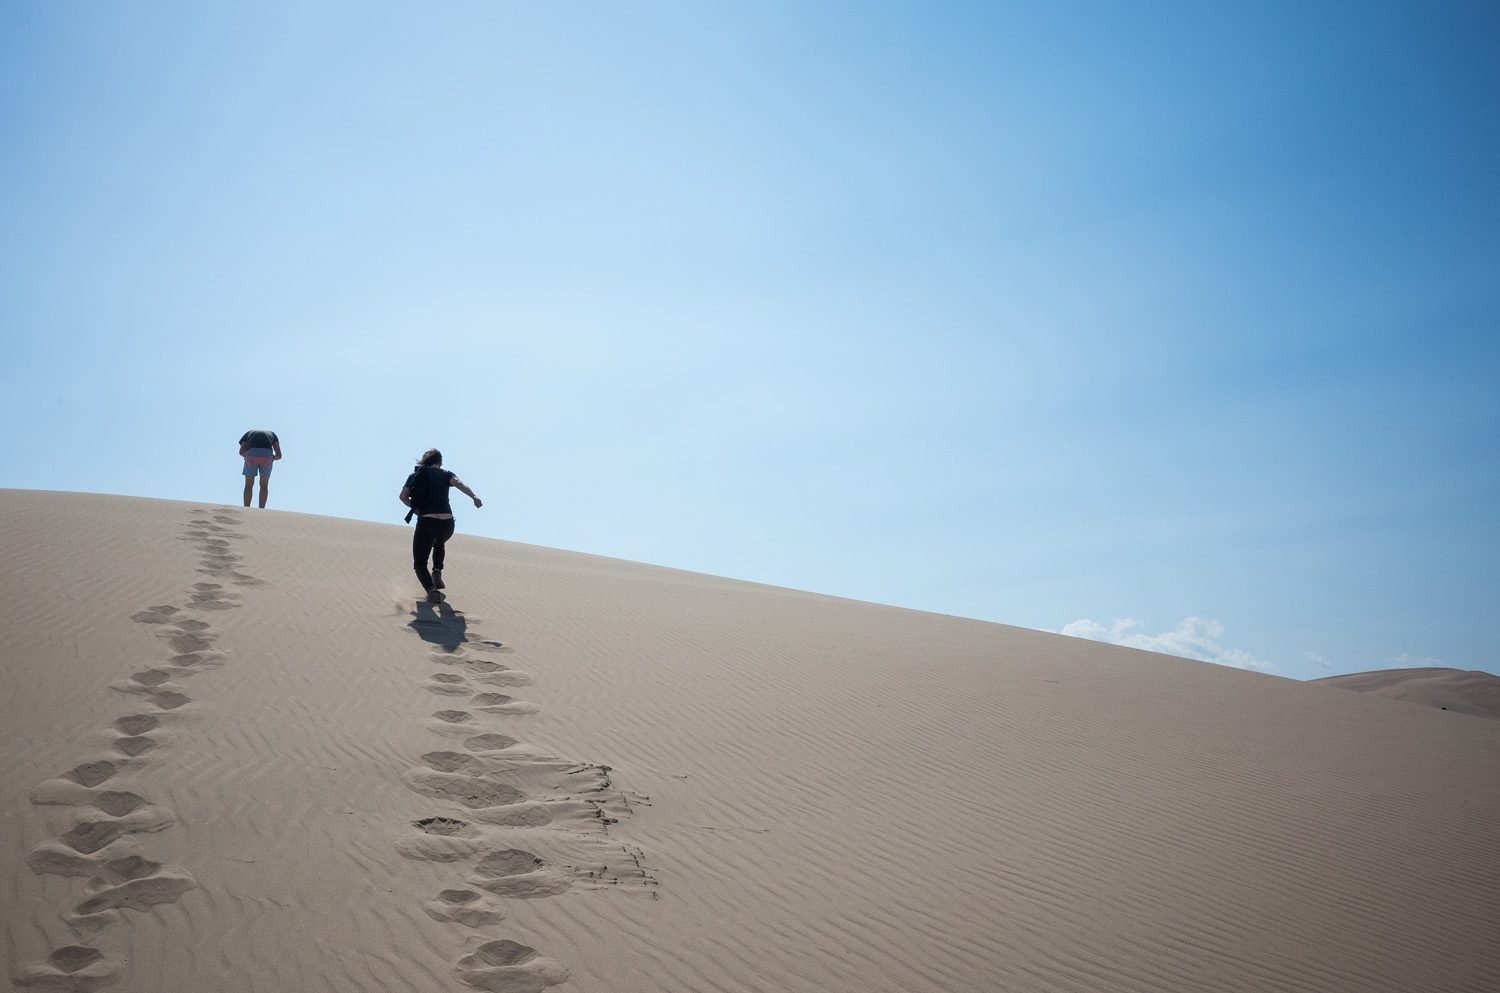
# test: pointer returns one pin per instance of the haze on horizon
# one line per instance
(1167, 326)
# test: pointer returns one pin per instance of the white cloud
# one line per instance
(1195, 638)
(1318, 660)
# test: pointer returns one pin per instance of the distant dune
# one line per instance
(240, 756)
(1457, 690)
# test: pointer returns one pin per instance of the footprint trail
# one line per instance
(497, 798)
(100, 837)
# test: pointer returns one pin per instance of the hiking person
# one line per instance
(426, 493)
(260, 450)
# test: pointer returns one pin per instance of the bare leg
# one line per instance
(249, 485)
(265, 484)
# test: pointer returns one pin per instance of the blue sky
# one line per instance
(1153, 323)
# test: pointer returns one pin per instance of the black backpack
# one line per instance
(420, 480)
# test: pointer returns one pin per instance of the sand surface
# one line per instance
(1461, 691)
(239, 756)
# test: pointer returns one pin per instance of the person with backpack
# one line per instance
(426, 493)
(260, 449)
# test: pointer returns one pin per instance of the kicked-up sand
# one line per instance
(239, 755)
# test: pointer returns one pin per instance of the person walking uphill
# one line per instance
(260, 450)
(426, 493)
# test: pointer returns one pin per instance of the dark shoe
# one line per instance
(433, 596)
(437, 580)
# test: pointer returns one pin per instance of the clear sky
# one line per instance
(1172, 324)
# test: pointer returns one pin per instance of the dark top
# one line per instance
(259, 439)
(430, 494)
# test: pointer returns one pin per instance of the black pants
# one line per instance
(429, 538)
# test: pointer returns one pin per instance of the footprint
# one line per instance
(500, 703)
(516, 789)
(54, 859)
(449, 684)
(531, 813)
(212, 603)
(137, 724)
(508, 967)
(470, 791)
(122, 870)
(509, 862)
(453, 762)
(185, 643)
(71, 969)
(135, 745)
(90, 836)
(519, 874)
(505, 677)
(118, 803)
(151, 677)
(474, 665)
(441, 839)
(139, 893)
(441, 825)
(166, 699)
(193, 660)
(454, 716)
(466, 907)
(90, 774)
(488, 742)
(485, 670)
(75, 957)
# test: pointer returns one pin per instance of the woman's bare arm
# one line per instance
(459, 485)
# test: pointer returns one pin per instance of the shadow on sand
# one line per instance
(439, 624)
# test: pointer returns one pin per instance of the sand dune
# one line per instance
(239, 756)
(1458, 690)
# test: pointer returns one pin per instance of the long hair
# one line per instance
(430, 457)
